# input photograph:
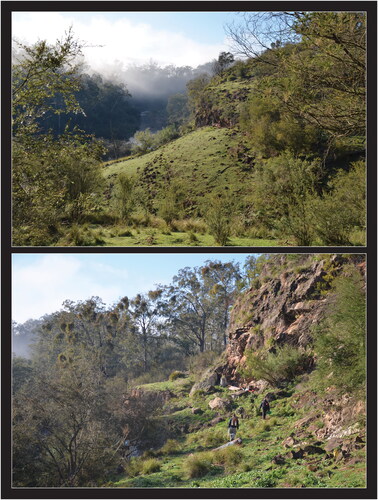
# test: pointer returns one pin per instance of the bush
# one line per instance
(279, 366)
(124, 196)
(343, 208)
(265, 427)
(191, 226)
(133, 467)
(150, 465)
(198, 465)
(176, 374)
(192, 239)
(171, 446)
(217, 216)
(231, 455)
(284, 189)
(202, 361)
(340, 341)
(168, 209)
(214, 437)
(82, 236)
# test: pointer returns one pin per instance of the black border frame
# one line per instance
(7, 7)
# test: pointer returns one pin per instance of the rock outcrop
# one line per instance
(288, 301)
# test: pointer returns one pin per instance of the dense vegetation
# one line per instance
(265, 150)
(98, 376)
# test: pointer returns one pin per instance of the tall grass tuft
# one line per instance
(198, 465)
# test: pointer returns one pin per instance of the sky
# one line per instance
(178, 38)
(42, 282)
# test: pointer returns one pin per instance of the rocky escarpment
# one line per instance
(283, 309)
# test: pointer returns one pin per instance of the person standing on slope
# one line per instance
(233, 426)
(264, 407)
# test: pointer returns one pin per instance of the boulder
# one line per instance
(289, 442)
(219, 404)
(332, 444)
(206, 384)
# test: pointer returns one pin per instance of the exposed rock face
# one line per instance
(283, 309)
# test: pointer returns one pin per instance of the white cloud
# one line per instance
(42, 286)
(121, 40)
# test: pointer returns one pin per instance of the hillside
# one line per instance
(296, 334)
(269, 150)
(201, 161)
(315, 435)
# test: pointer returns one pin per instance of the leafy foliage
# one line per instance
(53, 178)
(283, 364)
(341, 339)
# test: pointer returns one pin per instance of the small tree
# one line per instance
(217, 216)
(125, 196)
(284, 190)
(224, 61)
(144, 141)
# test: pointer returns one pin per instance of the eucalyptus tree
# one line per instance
(223, 281)
(145, 315)
(196, 305)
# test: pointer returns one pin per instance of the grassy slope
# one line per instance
(200, 158)
(247, 466)
(202, 163)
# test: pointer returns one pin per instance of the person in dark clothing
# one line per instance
(264, 407)
(233, 426)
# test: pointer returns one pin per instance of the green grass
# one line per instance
(198, 166)
(149, 237)
(190, 461)
(204, 149)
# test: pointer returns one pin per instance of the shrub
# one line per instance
(176, 374)
(82, 236)
(276, 367)
(231, 455)
(171, 446)
(125, 196)
(124, 233)
(168, 209)
(265, 427)
(343, 208)
(197, 465)
(214, 437)
(284, 188)
(340, 341)
(192, 239)
(191, 225)
(150, 465)
(201, 362)
(217, 216)
(133, 467)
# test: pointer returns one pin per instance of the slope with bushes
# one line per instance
(314, 378)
